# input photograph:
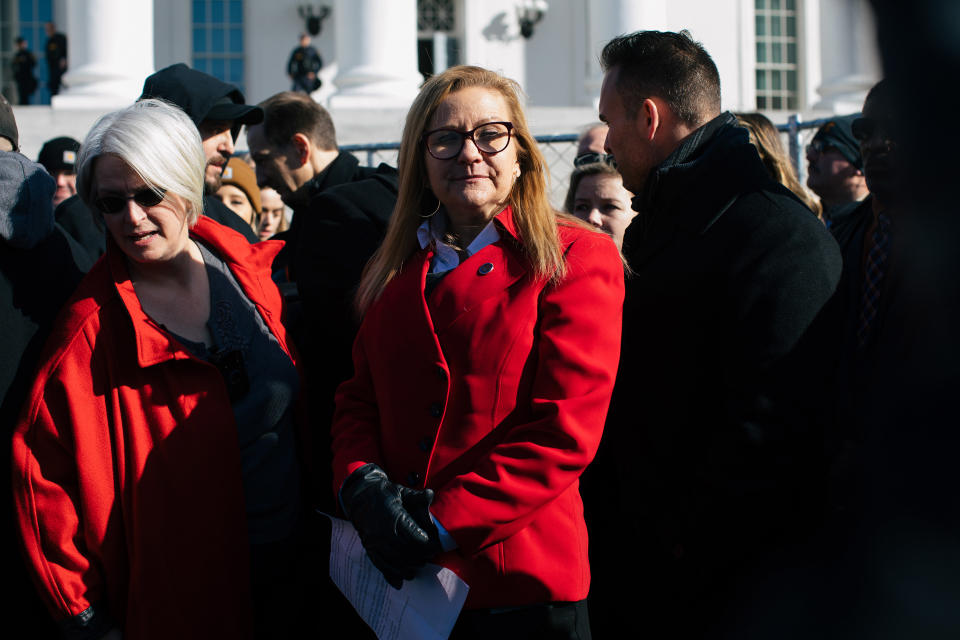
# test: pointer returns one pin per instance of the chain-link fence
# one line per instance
(559, 151)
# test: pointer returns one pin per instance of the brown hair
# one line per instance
(765, 137)
(581, 172)
(289, 112)
(533, 216)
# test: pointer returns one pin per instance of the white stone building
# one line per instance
(812, 57)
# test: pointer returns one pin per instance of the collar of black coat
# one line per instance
(343, 169)
(701, 178)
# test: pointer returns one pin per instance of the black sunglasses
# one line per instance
(145, 197)
(819, 146)
(592, 158)
(489, 138)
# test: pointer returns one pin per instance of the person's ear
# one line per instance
(648, 119)
(301, 145)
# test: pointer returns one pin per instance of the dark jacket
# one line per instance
(345, 168)
(83, 224)
(715, 419)
(304, 60)
(889, 551)
(23, 63)
(328, 244)
(56, 51)
(39, 268)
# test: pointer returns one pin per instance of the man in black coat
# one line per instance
(890, 550)
(218, 110)
(304, 66)
(23, 63)
(56, 54)
(716, 421)
(340, 215)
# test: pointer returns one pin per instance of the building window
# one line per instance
(26, 19)
(218, 39)
(776, 31)
(438, 45)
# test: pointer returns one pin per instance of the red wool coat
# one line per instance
(494, 394)
(126, 463)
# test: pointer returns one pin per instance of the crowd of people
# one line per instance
(654, 413)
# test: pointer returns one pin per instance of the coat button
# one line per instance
(424, 445)
(485, 268)
(413, 478)
(436, 410)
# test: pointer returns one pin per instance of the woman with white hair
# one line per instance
(155, 464)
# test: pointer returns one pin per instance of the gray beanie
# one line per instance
(26, 201)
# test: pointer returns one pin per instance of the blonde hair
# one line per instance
(155, 139)
(765, 137)
(533, 216)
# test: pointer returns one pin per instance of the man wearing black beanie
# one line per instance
(835, 168)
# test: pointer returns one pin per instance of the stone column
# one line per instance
(376, 42)
(610, 18)
(109, 53)
(850, 62)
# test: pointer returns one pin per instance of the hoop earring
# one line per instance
(433, 213)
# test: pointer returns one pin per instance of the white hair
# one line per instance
(156, 140)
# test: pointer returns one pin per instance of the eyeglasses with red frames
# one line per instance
(489, 138)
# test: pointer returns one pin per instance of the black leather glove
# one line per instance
(397, 542)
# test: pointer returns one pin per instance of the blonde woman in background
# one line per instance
(765, 137)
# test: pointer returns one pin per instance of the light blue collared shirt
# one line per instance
(430, 232)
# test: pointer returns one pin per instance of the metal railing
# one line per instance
(559, 151)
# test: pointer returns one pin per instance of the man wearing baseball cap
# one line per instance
(219, 111)
(58, 156)
(835, 168)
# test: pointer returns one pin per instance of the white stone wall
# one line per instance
(557, 66)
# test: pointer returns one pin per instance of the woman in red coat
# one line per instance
(155, 467)
(483, 369)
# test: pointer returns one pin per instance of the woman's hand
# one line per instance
(393, 522)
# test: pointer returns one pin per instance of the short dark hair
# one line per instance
(668, 65)
(289, 112)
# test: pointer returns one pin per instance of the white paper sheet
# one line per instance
(425, 608)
